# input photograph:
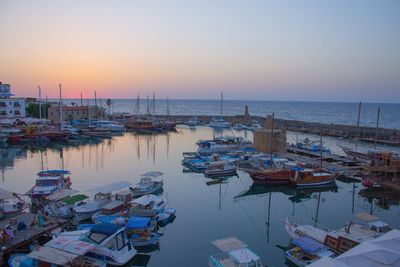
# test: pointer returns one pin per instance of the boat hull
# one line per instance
(271, 177)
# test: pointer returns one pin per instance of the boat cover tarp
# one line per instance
(382, 251)
(243, 255)
(64, 193)
(109, 188)
(137, 222)
(107, 218)
(70, 244)
(307, 244)
(4, 194)
(229, 244)
(105, 228)
(74, 199)
(52, 255)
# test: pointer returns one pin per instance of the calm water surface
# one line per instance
(204, 213)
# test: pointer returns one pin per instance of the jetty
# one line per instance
(25, 236)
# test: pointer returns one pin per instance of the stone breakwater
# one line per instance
(368, 134)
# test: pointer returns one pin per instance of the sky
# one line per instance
(274, 50)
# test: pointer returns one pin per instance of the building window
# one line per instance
(16, 104)
(10, 112)
(2, 104)
(16, 112)
(3, 112)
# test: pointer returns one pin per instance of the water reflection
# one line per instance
(207, 209)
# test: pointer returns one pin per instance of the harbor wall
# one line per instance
(385, 136)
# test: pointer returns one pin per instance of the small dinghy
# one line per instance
(144, 239)
(166, 217)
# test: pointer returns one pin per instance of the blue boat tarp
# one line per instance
(296, 168)
(138, 222)
(307, 244)
(106, 218)
(105, 229)
(85, 226)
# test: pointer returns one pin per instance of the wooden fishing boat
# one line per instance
(313, 177)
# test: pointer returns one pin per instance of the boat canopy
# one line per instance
(105, 229)
(138, 222)
(5, 194)
(70, 244)
(53, 172)
(307, 244)
(64, 193)
(109, 188)
(52, 255)
(108, 218)
(152, 174)
(145, 200)
(74, 199)
(366, 217)
(243, 256)
(229, 244)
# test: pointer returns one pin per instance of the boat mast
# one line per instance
(88, 112)
(222, 97)
(154, 103)
(95, 103)
(148, 105)
(167, 106)
(320, 149)
(358, 124)
(40, 103)
(81, 100)
(377, 126)
(61, 116)
(138, 105)
(272, 136)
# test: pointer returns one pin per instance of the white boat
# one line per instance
(49, 182)
(221, 168)
(192, 122)
(107, 243)
(147, 185)
(234, 254)
(119, 204)
(109, 125)
(255, 126)
(87, 210)
(61, 204)
(342, 239)
(9, 204)
(147, 206)
(239, 127)
(219, 123)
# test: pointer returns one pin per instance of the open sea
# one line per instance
(208, 212)
(324, 112)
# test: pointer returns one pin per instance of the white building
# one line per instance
(10, 107)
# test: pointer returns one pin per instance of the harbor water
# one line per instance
(204, 212)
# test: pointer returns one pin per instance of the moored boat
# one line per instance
(307, 251)
(147, 206)
(313, 177)
(234, 253)
(49, 182)
(147, 185)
